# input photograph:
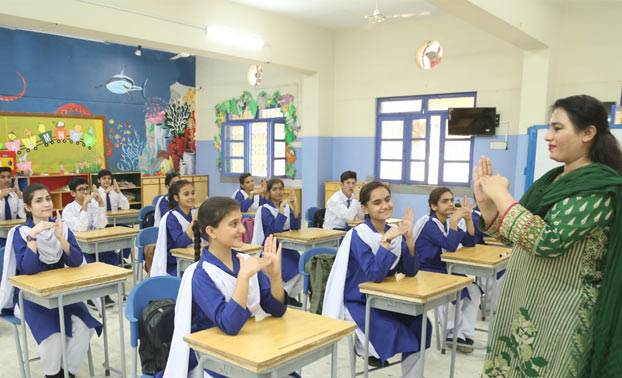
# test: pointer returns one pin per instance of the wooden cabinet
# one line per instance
(330, 187)
(150, 188)
(154, 185)
(57, 184)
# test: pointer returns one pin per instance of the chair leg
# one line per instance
(437, 330)
(305, 302)
(352, 356)
(20, 356)
(90, 359)
(134, 362)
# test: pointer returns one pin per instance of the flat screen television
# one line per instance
(472, 121)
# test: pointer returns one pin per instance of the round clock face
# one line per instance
(255, 74)
(429, 55)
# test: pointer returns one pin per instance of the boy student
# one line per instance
(342, 207)
(247, 196)
(111, 193)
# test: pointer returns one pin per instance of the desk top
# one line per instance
(480, 255)
(11, 223)
(424, 287)
(188, 253)
(265, 344)
(62, 280)
(108, 233)
(122, 213)
(311, 234)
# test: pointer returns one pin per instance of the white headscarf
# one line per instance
(258, 235)
(158, 266)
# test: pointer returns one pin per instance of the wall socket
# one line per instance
(498, 145)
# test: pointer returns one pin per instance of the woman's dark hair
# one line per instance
(174, 190)
(211, 213)
(436, 195)
(243, 177)
(29, 193)
(274, 181)
(585, 111)
(368, 188)
(169, 177)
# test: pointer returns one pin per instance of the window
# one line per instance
(412, 143)
(254, 145)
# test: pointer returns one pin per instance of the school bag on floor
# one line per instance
(155, 330)
(319, 267)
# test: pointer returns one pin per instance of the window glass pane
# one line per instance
(391, 170)
(450, 102)
(279, 150)
(418, 127)
(435, 140)
(400, 106)
(417, 171)
(234, 165)
(456, 172)
(279, 131)
(235, 149)
(235, 132)
(391, 150)
(392, 129)
(270, 113)
(417, 150)
(259, 149)
(279, 167)
(457, 150)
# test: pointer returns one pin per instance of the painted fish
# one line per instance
(123, 84)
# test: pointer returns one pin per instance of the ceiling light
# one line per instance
(233, 38)
(138, 51)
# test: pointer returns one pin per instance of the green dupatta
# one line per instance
(604, 353)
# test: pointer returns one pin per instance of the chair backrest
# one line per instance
(155, 199)
(146, 236)
(146, 216)
(144, 211)
(306, 257)
(154, 288)
(310, 214)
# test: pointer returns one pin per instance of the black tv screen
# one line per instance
(472, 121)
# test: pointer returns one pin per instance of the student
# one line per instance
(342, 207)
(45, 243)
(11, 203)
(247, 196)
(446, 229)
(161, 206)
(372, 251)
(110, 192)
(174, 228)
(223, 288)
(278, 215)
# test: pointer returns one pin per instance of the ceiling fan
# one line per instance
(377, 17)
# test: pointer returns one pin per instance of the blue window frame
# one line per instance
(412, 143)
(253, 145)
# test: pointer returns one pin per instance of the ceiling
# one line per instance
(340, 14)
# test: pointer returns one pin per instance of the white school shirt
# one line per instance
(16, 204)
(79, 220)
(338, 214)
(117, 200)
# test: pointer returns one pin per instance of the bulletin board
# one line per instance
(53, 143)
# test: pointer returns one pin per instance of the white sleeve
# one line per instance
(99, 215)
(77, 220)
(123, 203)
(340, 209)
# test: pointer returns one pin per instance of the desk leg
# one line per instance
(445, 310)
(132, 260)
(367, 322)
(424, 334)
(121, 330)
(333, 362)
(63, 339)
(96, 253)
(200, 368)
(493, 309)
(24, 355)
(179, 267)
(455, 336)
(486, 296)
(106, 360)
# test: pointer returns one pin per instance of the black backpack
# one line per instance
(155, 330)
(148, 221)
(318, 218)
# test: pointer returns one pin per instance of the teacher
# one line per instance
(560, 313)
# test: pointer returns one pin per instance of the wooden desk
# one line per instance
(61, 287)
(492, 241)
(414, 296)
(127, 217)
(307, 238)
(356, 222)
(185, 256)
(108, 239)
(273, 347)
(481, 261)
(7, 225)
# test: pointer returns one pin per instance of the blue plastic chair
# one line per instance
(310, 214)
(155, 199)
(144, 212)
(145, 236)
(155, 288)
(305, 275)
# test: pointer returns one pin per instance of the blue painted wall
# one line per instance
(60, 70)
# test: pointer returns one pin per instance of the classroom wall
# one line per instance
(70, 75)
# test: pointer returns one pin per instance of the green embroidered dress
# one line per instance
(543, 320)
